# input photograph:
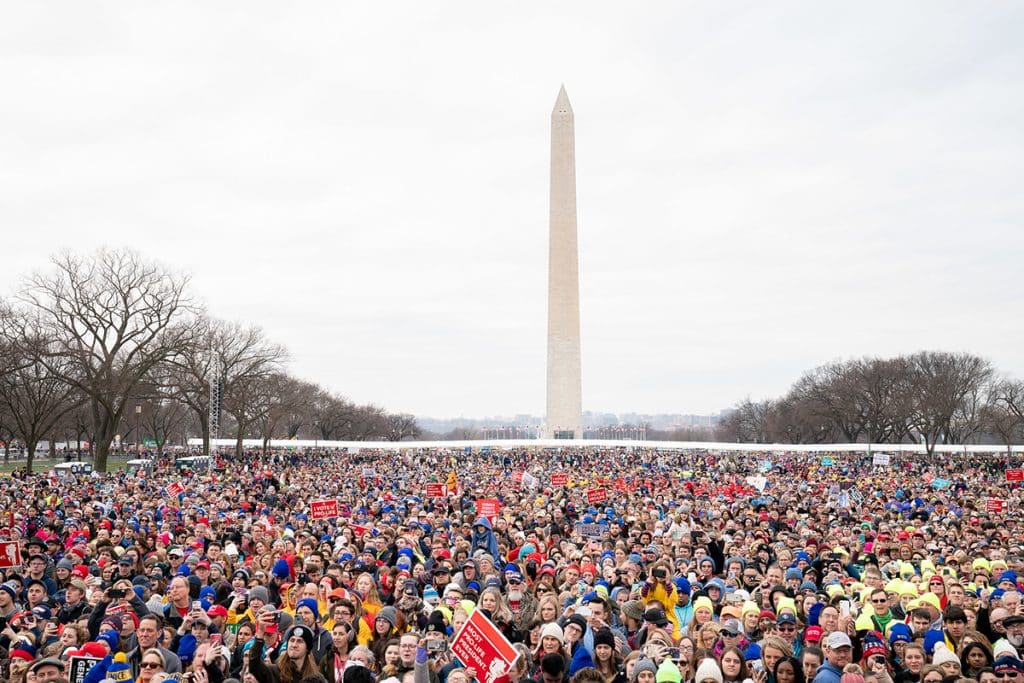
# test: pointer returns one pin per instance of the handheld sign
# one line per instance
(559, 479)
(435, 490)
(78, 667)
(880, 459)
(487, 507)
(480, 645)
(597, 495)
(10, 555)
(323, 509)
(1014, 475)
(996, 505)
(175, 488)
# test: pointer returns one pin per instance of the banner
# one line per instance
(487, 507)
(590, 530)
(78, 667)
(559, 479)
(175, 488)
(481, 646)
(880, 459)
(369, 473)
(996, 505)
(435, 490)
(597, 495)
(1014, 475)
(323, 509)
(530, 481)
(10, 555)
(517, 477)
(759, 482)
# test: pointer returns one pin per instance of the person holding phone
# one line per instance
(658, 588)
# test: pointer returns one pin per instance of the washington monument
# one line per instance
(565, 394)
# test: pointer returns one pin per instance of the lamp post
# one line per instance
(138, 429)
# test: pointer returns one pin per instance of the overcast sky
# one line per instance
(763, 187)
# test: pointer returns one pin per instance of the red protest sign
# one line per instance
(620, 485)
(10, 556)
(517, 477)
(480, 645)
(1014, 475)
(323, 509)
(175, 488)
(435, 490)
(996, 505)
(487, 507)
(359, 530)
(597, 495)
(560, 479)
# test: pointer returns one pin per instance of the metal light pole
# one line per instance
(138, 429)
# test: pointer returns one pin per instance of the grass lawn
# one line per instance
(45, 464)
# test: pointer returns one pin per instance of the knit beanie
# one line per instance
(668, 672)
(281, 569)
(311, 604)
(708, 669)
(604, 636)
(943, 654)
(552, 630)
(645, 664)
(388, 614)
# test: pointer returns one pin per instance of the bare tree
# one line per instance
(331, 415)
(402, 426)
(941, 383)
(34, 395)
(111, 318)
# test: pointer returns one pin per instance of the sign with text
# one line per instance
(175, 488)
(1014, 475)
(79, 666)
(559, 479)
(359, 530)
(517, 477)
(996, 505)
(10, 555)
(880, 459)
(323, 509)
(369, 473)
(590, 530)
(487, 507)
(436, 490)
(530, 481)
(481, 646)
(597, 495)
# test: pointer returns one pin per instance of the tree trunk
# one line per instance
(53, 447)
(30, 454)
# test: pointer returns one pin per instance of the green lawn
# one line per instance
(45, 464)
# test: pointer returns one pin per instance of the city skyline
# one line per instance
(762, 190)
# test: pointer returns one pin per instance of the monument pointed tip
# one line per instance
(562, 105)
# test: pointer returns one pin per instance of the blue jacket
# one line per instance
(486, 539)
(827, 673)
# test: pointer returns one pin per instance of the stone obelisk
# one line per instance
(565, 394)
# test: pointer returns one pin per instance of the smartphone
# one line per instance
(659, 573)
(116, 593)
(437, 645)
(673, 653)
(844, 608)
(197, 605)
(216, 638)
(757, 665)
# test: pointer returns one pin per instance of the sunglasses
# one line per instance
(149, 665)
(1006, 674)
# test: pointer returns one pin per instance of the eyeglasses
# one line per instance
(879, 600)
(150, 665)
(1006, 674)
(786, 627)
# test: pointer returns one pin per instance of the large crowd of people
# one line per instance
(694, 567)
